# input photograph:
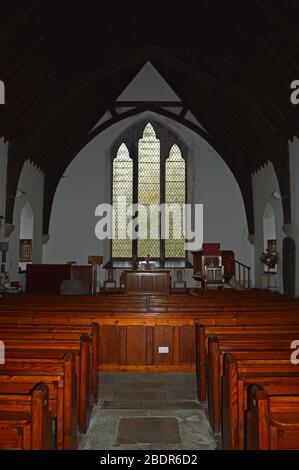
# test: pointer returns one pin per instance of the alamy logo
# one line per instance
(295, 94)
(2, 353)
(295, 354)
(123, 221)
(2, 92)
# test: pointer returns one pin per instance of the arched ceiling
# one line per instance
(231, 62)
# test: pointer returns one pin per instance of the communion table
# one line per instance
(147, 282)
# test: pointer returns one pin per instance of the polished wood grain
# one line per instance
(25, 418)
(147, 282)
(272, 417)
(238, 375)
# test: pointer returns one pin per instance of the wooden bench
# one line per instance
(61, 333)
(260, 347)
(272, 417)
(52, 349)
(238, 375)
(247, 341)
(25, 419)
(59, 374)
(129, 340)
(247, 330)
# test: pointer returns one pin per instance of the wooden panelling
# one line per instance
(161, 284)
(149, 344)
(147, 282)
(187, 344)
(123, 357)
(176, 345)
(110, 345)
(132, 283)
(136, 345)
(163, 336)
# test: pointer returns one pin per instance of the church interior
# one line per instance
(149, 218)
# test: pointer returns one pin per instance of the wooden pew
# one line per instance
(25, 419)
(59, 374)
(272, 417)
(202, 338)
(260, 346)
(48, 349)
(238, 375)
(130, 330)
(122, 332)
(61, 333)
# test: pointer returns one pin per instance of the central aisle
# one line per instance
(148, 411)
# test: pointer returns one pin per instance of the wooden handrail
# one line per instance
(245, 281)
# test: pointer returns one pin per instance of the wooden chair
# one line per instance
(213, 271)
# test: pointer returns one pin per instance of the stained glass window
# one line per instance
(175, 195)
(148, 181)
(148, 191)
(122, 187)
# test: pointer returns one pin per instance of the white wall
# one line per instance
(88, 184)
(148, 85)
(269, 225)
(32, 183)
(264, 182)
(3, 166)
(294, 162)
(224, 212)
(26, 223)
(26, 227)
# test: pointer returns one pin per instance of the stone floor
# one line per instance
(149, 411)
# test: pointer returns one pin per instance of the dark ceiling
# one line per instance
(231, 62)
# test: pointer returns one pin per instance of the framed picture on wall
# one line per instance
(25, 251)
(272, 245)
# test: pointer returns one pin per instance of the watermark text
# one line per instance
(2, 352)
(295, 93)
(295, 353)
(123, 221)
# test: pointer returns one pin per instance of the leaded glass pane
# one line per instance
(148, 189)
(122, 186)
(175, 193)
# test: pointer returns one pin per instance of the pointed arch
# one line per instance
(122, 189)
(149, 132)
(146, 146)
(148, 191)
(175, 196)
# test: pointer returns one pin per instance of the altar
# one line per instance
(147, 282)
(180, 273)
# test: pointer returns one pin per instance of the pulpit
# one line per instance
(213, 265)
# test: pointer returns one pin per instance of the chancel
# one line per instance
(149, 214)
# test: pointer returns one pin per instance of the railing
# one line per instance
(242, 274)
